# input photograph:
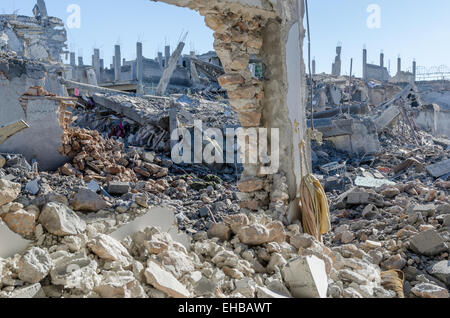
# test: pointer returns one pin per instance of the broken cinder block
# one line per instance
(306, 277)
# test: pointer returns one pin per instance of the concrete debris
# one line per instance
(425, 290)
(372, 182)
(61, 220)
(306, 277)
(35, 265)
(439, 169)
(428, 243)
(164, 281)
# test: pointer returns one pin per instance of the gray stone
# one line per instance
(204, 212)
(441, 270)
(32, 187)
(60, 220)
(205, 287)
(426, 210)
(428, 243)
(439, 169)
(87, 201)
(118, 188)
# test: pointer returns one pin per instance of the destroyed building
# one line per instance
(93, 204)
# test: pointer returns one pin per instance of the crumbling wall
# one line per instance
(433, 119)
(273, 31)
(40, 38)
(24, 98)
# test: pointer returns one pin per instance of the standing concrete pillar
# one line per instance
(72, 64)
(414, 69)
(139, 63)
(96, 63)
(167, 55)
(102, 63)
(399, 65)
(117, 63)
(382, 59)
(314, 67)
(72, 58)
(160, 59)
(80, 61)
(364, 64)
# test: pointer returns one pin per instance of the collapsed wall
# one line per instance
(40, 38)
(274, 32)
(23, 95)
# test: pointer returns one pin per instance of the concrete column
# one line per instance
(414, 69)
(102, 63)
(80, 61)
(72, 58)
(117, 63)
(364, 64)
(96, 63)
(167, 55)
(399, 65)
(382, 59)
(314, 67)
(72, 64)
(139, 63)
(160, 59)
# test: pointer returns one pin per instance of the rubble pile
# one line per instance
(393, 205)
(72, 255)
(94, 157)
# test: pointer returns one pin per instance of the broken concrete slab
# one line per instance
(16, 243)
(428, 243)
(306, 277)
(165, 281)
(439, 169)
(332, 128)
(358, 196)
(363, 139)
(427, 210)
(441, 270)
(160, 217)
(32, 291)
(372, 182)
(387, 117)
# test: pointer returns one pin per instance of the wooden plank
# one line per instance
(10, 130)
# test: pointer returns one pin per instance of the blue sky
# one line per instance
(412, 28)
